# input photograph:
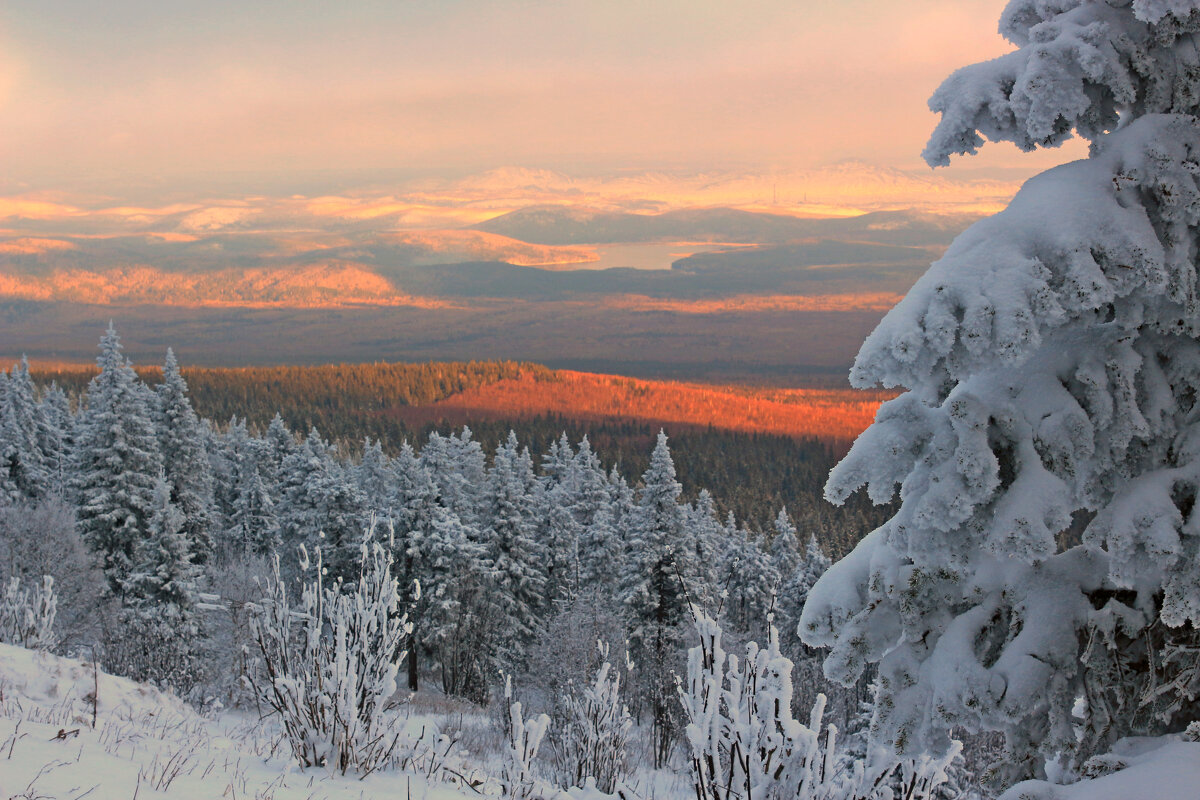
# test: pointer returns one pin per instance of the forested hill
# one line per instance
(749, 472)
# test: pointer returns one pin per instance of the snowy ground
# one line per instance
(147, 744)
(1141, 769)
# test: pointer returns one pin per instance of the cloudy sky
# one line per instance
(95, 92)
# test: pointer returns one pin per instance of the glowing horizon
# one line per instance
(94, 96)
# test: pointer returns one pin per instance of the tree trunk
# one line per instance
(413, 671)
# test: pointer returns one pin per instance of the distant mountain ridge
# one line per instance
(566, 225)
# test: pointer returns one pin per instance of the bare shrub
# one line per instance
(39, 539)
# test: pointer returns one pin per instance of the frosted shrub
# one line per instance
(27, 615)
(330, 664)
(522, 739)
(596, 732)
(745, 745)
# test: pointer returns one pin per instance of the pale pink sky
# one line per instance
(141, 88)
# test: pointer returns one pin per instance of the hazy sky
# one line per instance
(125, 89)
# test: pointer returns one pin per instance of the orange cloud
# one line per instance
(28, 208)
(329, 285)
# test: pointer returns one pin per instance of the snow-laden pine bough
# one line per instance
(1041, 575)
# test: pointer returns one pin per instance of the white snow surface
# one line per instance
(1146, 769)
(149, 744)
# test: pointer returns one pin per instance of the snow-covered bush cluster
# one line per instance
(27, 615)
(330, 663)
(597, 730)
(522, 740)
(745, 743)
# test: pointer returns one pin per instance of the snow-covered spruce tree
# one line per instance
(161, 632)
(330, 663)
(785, 549)
(600, 547)
(1044, 557)
(749, 582)
(515, 557)
(434, 552)
(797, 585)
(375, 477)
(57, 437)
(711, 545)
(601, 551)
(459, 466)
(23, 428)
(253, 523)
(660, 552)
(560, 533)
(320, 507)
(116, 462)
(558, 464)
(181, 441)
(279, 443)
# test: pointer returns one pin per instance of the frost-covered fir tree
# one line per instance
(116, 462)
(803, 577)
(513, 552)
(251, 525)
(620, 504)
(181, 439)
(459, 466)
(749, 582)
(57, 437)
(601, 551)
(376, 479)
(600, 547)
(660, 553)
(793, 594)
(1040, 576)
(280, 443)
(710, 538)
(320, 507)
(559, 462)
(560, 540)
(160, 632)
(785, 549)
(23, 427)
(436, 563)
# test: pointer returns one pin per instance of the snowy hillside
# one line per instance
(148, 744)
